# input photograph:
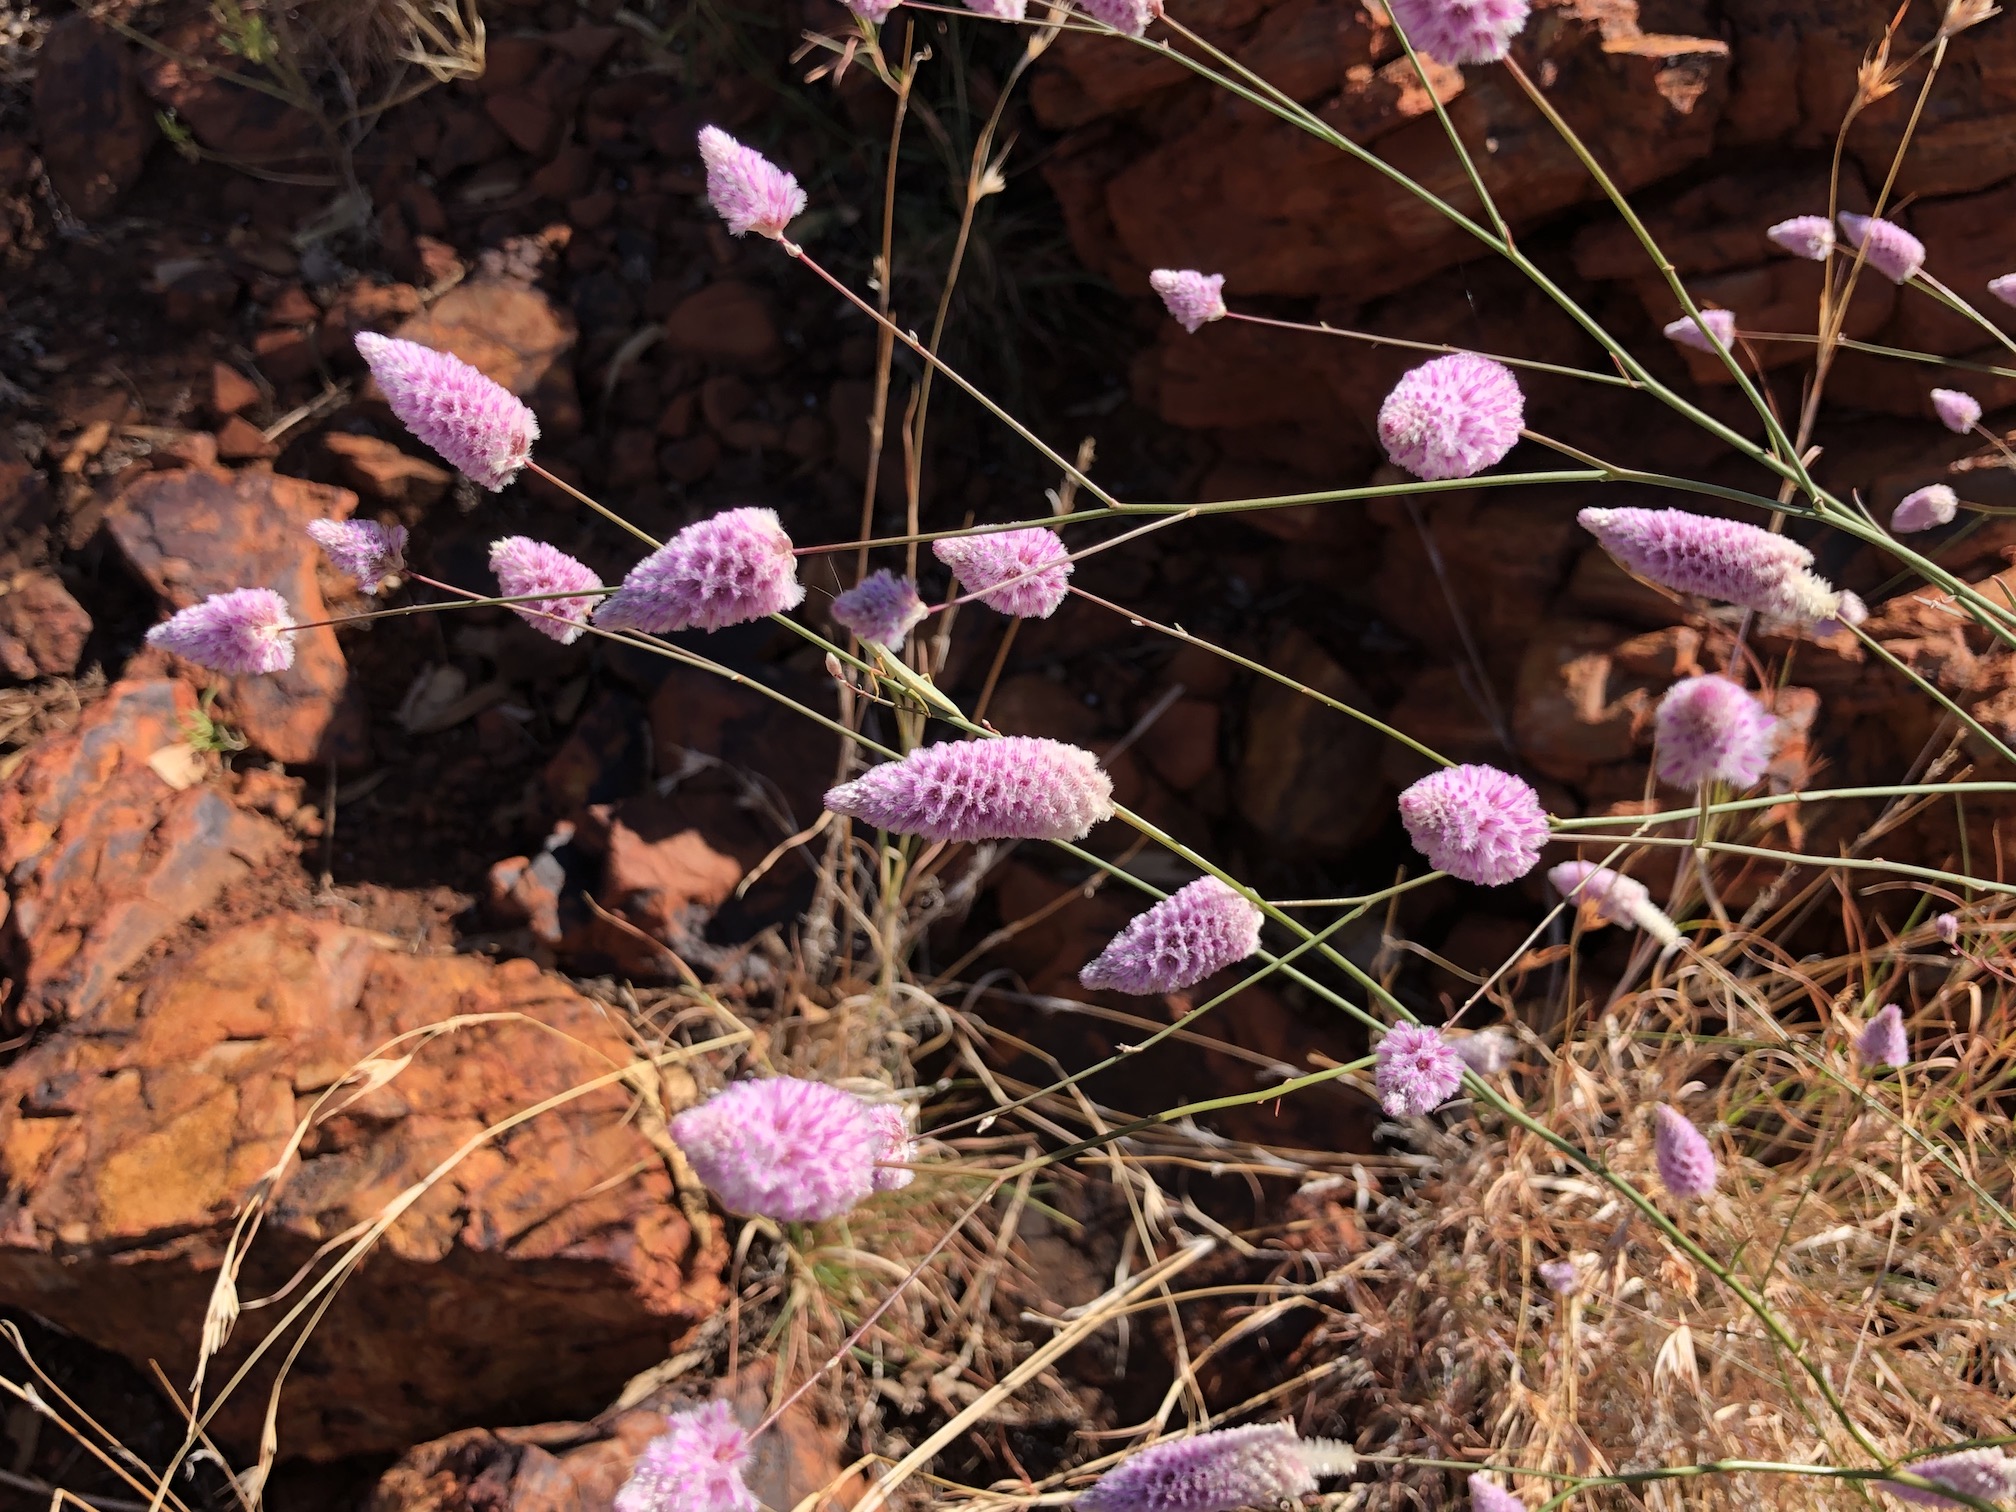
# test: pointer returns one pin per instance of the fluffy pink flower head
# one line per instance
(1194, 298)
(1988, 1474)
(1023, 572)
(1614, 897)
(727, 570)
(244, 631)
(881, 607)
(1130, 18)
(1689, 332)
(1476, 822)
(1198, 930)
(695, 1465)
(1711, 730)
(1947, 927)
(1486, 1495)
(1686, 1163)
(1452, 417)
(746, 189)
(1000, 10)
(364, 549)
(1561, 1276)
(874, 12)
(1418, 1071)
(1721, 559)
(1957, 410)
(524, 566)
(893, 1142)
(782, 1147)
(1461, 31)
(1264, 1465)
(1882, 1041)
(1808, 236)
(1925, 509)
(478, 425)
(1488, 1051)
(1885, 246)
(2004, 288)
(1019, 787)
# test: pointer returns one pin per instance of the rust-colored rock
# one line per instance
(726, 322)
(42, 628)
(379, 470)
(93, 122)
(246, 125)
(230, 390)
(508, 329)
(1303, 777)
(1575, 707)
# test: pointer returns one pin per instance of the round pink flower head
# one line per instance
(746, 189)
(1452, 417)
(2004, 288)
(1689, 332)
(1885, 246)
(1561, 1276)
(1130, 18)
(1925, 509)
(882, 607)
(727, 570)
(1721, 559)
(363, 549)
(1986, 1474)
(1809, 236)
(1488, 1051)
(1709, 729)
(1021, 572)
(1613, 897)
(1461, 31)
(782, 1147)
(1882, 1041)
(1019, 787)
(478, 425)
(1487, 1495)
(894, 1143)
(696, 1465)
(1192, 933)
(1686, 1164)
(1194, 298)
(245, 631)
(1000, 10)
(1958, 411)
(1264, 1465)
(524, 566)
(1947, 927)
(1476, 822)
(874, 12)
(1418, 1071)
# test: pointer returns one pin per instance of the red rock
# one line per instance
(664, 871)
(1182, 746)
(507, 329)
(687, 462)
(239, 440)
(1295, 750)
(42, 628)
(364, 307)
(523, 117)
(525, 891)
(724, 399)
(633, 458)
(201, 296)
(289, 306)
(92, 121)
(1574, 709)
(381, 471)
(284, 356)
(230, 390)
(244, 124)
(509, 62)
(570, 175)
(725, 322)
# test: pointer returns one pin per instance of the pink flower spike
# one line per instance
(362, 549)
(1476, 823)
(1194, 298)
(696, 1465)
(243, 632)
(1925, 509)
(1461, 31)
(1130, 18)
(782, 1147)
(1808, 236)
(478, 425)
(2004, 288)
(732, 568)
(1485, 1494)
(1686, 1163)
(1452, 417)
(1986, 1474)
(1021, 572)
(874, 12)
(1882, 1041)
(1019, 787)
(1689, 332)
(1886, 246)
(1613, 897)
(524, 566)
(1188, 936)
(894, 1143)
(1721, 559)
(999, 10)
(1263, 1465)
(746, 189)
(1709, 729)
(1418, 1071)
(1958, 411)
(882, 607)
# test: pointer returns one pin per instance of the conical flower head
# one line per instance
(1882, 1041)
(727, 570)
(1486, 1495)
(1686, 1163)
(1019, 787)
(245, 631)
(882, 607)
(1194, 932)
(746, 189)
(525, 566)
(782, 1148)
(1709, 729)
(1886, 246)
(1957, 410)
(1614, 897)
(2004, 288)
(1925, 508)
(1721, 559)
(364, 549)
(1194, 298)
(1265, 1465)
(894, 1142)
(1461, 31)
(1689, 332)
(1476, 822)
(1023, 572)
(478, 425)
(1452, 417)
(696, 1465)
(1808, 236)
(1130, 18)
(1987, 1474)
(1417, 1071)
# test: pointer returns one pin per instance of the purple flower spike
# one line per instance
(1925, 508)
(1015, 571)
(1130, 18)
(524, 566)
(746, 189)
(1192, 933)
(782, 1147)
(1882, 1041)
(478, 425)
(1452, 417)
(1947, 927)
(362, 549)
(1808, 236)
(1711, 730)
(1418, 1071)
(728, 570)
(893, 1142)
(1019, 787)
(1265, 1465)
(1476, 823)
(1721, 559)
(1461, 31)
(1614, 897)
(1194, 298)
(1000, 10)
(696, 1465)
(1958, 411)
(1885, 246)
(881, 607)
(2004, 288)
(1689, 332)
(241, 632)
(1686, 1163)
(1987, 1474)
(1486, 1495)
(874, 12)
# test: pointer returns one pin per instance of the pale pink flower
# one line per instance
(1488, 1051)
(1487, 1496)
(477, 424)
(1194, 298)
(729, 569)
(895, 1143)
(245, 631)
(696, 1465)
(1947, 927)
(1721, 559)
(1686, 1164)
(746, 189)
(1808, 236)
(1264, 1465)
(1130, 18)
(874, 12)
(1452, 417)
(1021, 572)
(1460, 31)
(1885, 246)
(362, 549)
(1018, 787)
(1957, 410)
(881, 607)
(2004, 288)
(1925, 509)
(1882, 1041)
(1614, 897)
(1986, 1474)
(1689, 332)
(782, 1147)
(1709, 729)
(1476, 823)
(1192, 933)
(525, 566)
(1417, 1071)
(1000, 10)
(1561, 1276)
